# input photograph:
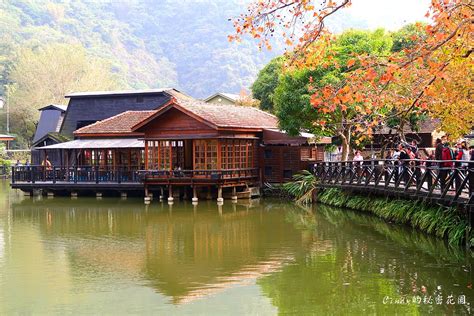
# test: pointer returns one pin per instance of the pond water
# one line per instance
(260, 257)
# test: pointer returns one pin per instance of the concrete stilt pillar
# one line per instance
(162, 193)
(74, 195)
(220, 199)
(98, 195)
(151, 196)
(50, 194)
(170, 194)
(195, 197)
(234, 193)
(147, 198)
(123, 195)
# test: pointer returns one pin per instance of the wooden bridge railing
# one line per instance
(424, 178)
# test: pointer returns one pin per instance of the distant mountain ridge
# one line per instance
(151, 43)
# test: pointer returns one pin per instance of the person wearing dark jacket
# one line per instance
(471, 173)
(439, 148)
(404, 161)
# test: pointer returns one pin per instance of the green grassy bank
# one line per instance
(443, 222)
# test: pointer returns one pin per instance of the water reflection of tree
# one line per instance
(369, 259)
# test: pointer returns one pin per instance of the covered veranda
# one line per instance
(88, 160)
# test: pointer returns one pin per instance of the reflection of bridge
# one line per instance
(427, 180)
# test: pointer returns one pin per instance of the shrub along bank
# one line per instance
(443, 222)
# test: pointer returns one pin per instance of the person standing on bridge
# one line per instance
(439, 148)
(358, 156)
(404, 161)
(429, 164)
(358, 160)
(462, 154)
(446, 165)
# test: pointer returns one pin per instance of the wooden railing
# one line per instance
(217, 175)
(77, 174)
(430, 179)
(97, 174)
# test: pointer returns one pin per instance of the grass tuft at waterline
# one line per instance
(443, 222)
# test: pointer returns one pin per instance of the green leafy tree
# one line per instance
(407, 37)
(266, 83)
(293, 103)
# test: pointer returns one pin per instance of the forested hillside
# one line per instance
(51, 47)
(150, 43)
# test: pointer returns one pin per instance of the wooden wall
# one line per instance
(178, 125)
(280, 162)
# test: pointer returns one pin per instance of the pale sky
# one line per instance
(389, 14)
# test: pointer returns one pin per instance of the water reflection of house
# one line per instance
(180, 253)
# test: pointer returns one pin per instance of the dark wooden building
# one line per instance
(425, 135)
(50, 121)
(47, 130)
(85, 108)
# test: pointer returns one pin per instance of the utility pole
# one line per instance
(4, 103)
(8, 118)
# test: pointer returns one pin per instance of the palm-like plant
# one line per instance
(302, 188)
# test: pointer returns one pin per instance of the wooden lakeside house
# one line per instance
(196, 147)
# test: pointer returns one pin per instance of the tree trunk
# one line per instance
(400, 130)
(345, 137)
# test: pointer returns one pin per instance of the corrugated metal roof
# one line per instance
(98, 143)
(119, 92)
(60, 107)
(229, 96)
(6, 137)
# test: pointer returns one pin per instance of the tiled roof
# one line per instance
(224, 116)
(118, 124)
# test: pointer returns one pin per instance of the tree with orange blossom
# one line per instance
(433, 76)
